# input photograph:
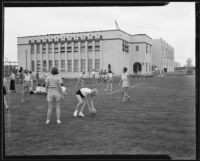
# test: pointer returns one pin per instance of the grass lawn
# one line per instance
(158, 119)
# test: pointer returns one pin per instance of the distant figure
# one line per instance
(26, 84)
(101, 75)
(110, 81)
(80, 79)
(93, 77)
(85, 96)
(5, 89)
(31, 80)
(37, 77)
(12, 82)
(54, 94)
(125, 84)
(105, 76)
(21, 75)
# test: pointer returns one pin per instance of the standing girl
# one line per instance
(31, 80)
(54, 94)
(80, 79)
(110, 80)
(26, 83)
(85, 96)
(125, 84)
(5, 87)
(12, 82)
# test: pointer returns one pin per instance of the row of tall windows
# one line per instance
(125, 46)
(68, 49)
(148, 48)
(42, 66)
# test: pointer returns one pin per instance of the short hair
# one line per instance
(54, 71)
(26, 71)
(39, 84)
(30, 72)
(125, 69)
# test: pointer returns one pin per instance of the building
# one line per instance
(73, 53)
(162, 55)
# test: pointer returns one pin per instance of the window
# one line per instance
(90, 46)
(125, 46)
(43, 48)
(62, 66)
(32, 48)
(50, 65)
(62, 47)
(75, 65)
(69, 65)
(38, 66)
(82, 49)
(56, 63)
(55, 48)
(50, 48)
(82, 65)
(32, 66)
(89, 65)
(44, 63)
(38, 48)
(69, 49)
(137, 48)
(97, 65)
(76, 47)
(146, 48)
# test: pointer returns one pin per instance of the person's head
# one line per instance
(93, 70)
(62, 84)
(26, 71)
(94, 92)
(109, 71)
(54, 71)
(20, 69)
(83, 73)
(125, 69)
(30, 72)
(39, 84)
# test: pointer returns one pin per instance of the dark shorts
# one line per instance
(79, 93)
(4, 90)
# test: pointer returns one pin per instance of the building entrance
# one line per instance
(137, 67)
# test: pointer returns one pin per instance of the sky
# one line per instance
(175, 23)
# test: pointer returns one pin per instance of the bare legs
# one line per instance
(49, 112)
(81, 104)
(126, 96)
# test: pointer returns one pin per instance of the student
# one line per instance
(85, 96)
(54, 94)
(64, 89)
(93, 77)
(5, 89)
(125, 84)
(110, 81)
(12, 82)
(26, 83)
(80, 79)
(31, 80)
(40, 90)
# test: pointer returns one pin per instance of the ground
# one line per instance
(158, 119)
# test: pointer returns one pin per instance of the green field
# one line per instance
(158, 119)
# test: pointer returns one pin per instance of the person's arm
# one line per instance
(87, 102)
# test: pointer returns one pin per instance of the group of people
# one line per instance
(56, 91)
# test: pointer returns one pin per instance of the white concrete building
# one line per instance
(162, 55)
(176, 65)
(73, 53)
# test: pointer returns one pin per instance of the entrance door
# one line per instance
(137, 67)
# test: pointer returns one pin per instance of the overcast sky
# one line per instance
(175, 23)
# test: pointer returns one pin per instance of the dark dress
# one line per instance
(12, 85)
(4, 90)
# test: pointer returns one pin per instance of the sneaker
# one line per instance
(81, 114)
(75, 113)
(48, 121)
(123, 100)
(58, 122)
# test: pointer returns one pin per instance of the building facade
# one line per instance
(162, 55)
(176, 65)
(73, 53)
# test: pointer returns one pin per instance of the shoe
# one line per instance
(123, 100)
(48, 121)
(81, 114)
(58, 122)
(127, 97)
(75, 113)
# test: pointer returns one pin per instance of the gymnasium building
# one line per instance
(76, 52)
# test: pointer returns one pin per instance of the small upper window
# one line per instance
(137, 48)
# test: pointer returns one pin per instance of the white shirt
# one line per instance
(63, 89)
(125, 76)
(93, 72)
(85, 91)
(27, 77)
(110, 75)
(40, 89)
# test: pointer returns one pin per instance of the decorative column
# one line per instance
(101, 54)
(59, 57)
(53, 55)
(66, 63)
(35, 54)
(86, 58)
(79, 53)
(47, 55)
(72, 56)
(93, 55)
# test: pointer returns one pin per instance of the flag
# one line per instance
(116, 25)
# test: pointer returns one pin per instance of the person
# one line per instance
(37, 77)
(26, 83)
(54, 94)
(5, 92)
(93, 77)
(31, 80)
(39, 90)
(110, 81)
(64, 89)
(105, 76)
(12, 82)
(21, 75)
(101, 75)
(85, 96)
(80, 79)
(125, 84)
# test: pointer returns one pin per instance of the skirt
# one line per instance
(53, 95)
(12, 85)
(4, 90)
(125, 84)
